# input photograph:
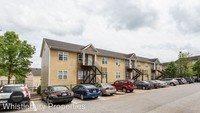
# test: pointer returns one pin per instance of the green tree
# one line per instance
(184, 65)
(171, 70)
(14, 56)
(196, 68)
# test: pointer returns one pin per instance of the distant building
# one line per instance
(33, 79)
(4, 80)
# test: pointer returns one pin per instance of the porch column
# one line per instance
(135, 64)
(83, 58)
(95, 59)
(130, 64)
(131, 75)
(154, 66)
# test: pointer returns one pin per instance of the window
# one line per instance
(146, 65)
(62, 75)
(104, 60)
(80, 58)
(117, 74)
(126, 63)
(104, 74)
(138, 64)
(80, 75)
(127, 75)
(63, 55)
(117, 61)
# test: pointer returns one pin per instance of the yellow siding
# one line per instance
(70, 66)
(112, 68)
(45, 66)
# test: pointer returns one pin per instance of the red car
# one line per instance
(125, 85)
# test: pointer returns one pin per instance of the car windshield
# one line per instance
(89, 86)
(12, 88)
(59, 88)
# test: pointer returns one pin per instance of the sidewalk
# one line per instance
(35, 97)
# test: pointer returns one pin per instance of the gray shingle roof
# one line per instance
(77, 48)
(36, 71)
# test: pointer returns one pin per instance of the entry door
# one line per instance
(89, 60)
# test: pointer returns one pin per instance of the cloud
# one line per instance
(150, 28)
(45, 15)
(128, 15)
(187, 17)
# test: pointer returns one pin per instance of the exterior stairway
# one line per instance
(90, 73)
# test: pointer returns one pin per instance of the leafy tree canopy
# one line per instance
(14, 56)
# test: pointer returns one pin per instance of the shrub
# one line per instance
(39, 90)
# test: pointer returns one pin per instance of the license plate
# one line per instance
(94, 91)
(3, 101)
(64, 94)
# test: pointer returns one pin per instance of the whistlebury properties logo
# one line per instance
(41, 107)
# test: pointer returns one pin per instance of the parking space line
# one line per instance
(102, 98)
(34, 107)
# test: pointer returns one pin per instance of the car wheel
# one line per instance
(82, 97)
(131, 90)
(143, 88)
(124, 90)
(172, 84)
(96, 97)
(111, 94)
(69, 101)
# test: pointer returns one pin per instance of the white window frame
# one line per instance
(117, 62)
(104, 60)
(65, 56)
(117, 75)
(80, 75)
(80, 59)
(146, 65)
(138, 64)
(126, 63)
(104, 73)
(62, 75)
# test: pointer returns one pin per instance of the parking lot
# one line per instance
(173, 99)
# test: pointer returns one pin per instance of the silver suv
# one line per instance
(14, 94)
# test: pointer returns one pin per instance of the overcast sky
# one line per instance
(148, 28)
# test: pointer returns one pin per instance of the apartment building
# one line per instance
(65, 63)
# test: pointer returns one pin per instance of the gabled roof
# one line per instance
(58, 45)
(36, 71)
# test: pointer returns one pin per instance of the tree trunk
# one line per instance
(9, 79)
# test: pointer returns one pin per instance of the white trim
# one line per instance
(90, 45)
(49, 66)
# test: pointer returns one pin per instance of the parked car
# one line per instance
(189, 80)
(154, 84)
(181, 80)
(196, 79)
(143, 85)
(125, 85)
(171, 81)
(14, 94)
(161, 83)
(84, 91)
(56, 94)
(106, 89)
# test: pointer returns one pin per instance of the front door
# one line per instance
(89, 60)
